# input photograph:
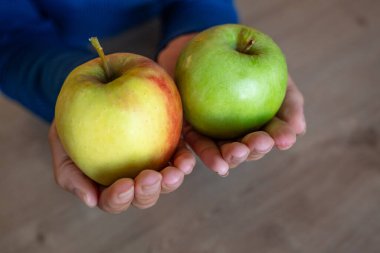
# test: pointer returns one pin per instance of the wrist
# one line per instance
(168, 56)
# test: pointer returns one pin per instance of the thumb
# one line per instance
(68, 175)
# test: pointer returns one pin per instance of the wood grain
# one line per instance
(321, 196)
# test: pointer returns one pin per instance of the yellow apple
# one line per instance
(118, 115)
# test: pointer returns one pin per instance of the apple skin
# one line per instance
(116, 129)
(226, 93)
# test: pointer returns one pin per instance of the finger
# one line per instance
(184, 158)
(68, 175)
(147, 189)
(207, 151)
(234, 153)
(117, 197)
(282, 133)
(172, 178)
(292, 110)
(259, 144)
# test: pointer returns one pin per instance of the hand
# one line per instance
(142, 192)
(167, 58)
(281, 132)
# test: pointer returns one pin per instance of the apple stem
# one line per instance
(249, 45)
(95, 43)
(245, 41)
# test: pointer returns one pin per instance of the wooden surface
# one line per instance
(321, 196)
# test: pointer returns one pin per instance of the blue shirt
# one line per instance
(41, 41)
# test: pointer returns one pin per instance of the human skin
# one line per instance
(115, 126)
(232, 80)
(220, 157)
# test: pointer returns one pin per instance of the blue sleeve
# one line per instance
(34, 62)
(186, 16)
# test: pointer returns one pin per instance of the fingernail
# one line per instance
(188, 167)
(286, 147)
(221, 168)
(303, 132)
(237, 159)
(262, 148)
(171, 180)
(303, 126)
(125, 196)
(90, 201)
(85, 198)
(150, 188)
(254, 156)
(225, 174)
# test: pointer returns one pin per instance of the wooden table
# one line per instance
(321, 196)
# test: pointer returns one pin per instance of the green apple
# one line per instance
(118, 115)
(232, 80)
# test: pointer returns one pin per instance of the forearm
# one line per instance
(34, 60)
(32, 74)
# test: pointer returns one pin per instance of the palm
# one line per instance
(142, 191)
(281, 132)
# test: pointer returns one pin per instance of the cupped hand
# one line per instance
(142, 191)
(280, 132)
